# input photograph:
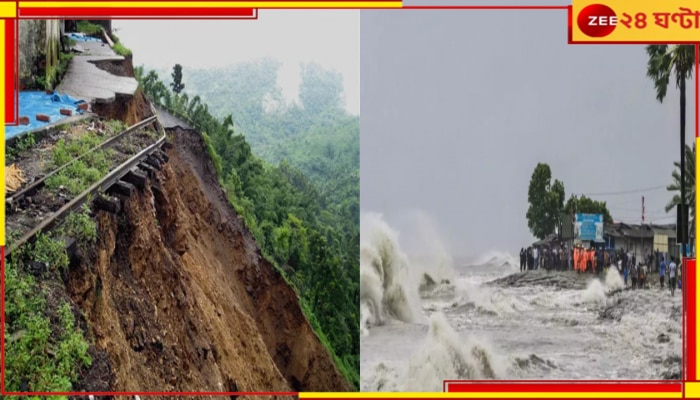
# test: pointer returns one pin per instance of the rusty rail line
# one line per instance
(100, 186)
(36, 185)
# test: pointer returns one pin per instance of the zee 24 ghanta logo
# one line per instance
(598, 20)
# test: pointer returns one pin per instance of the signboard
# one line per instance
(642, 22)
(589, 227)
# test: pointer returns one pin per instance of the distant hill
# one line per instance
(317, 136)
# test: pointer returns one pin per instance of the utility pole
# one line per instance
(643, 232)
(684, 216)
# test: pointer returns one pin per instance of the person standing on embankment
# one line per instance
(672, 275)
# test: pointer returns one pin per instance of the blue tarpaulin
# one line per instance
(81, 37)
(33, 103)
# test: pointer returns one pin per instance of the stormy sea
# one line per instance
(430, 318)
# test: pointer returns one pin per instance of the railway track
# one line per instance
(39, 183)
(38, 208)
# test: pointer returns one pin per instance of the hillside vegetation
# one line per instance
(301, 199)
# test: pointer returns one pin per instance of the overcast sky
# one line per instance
(328, 37)
(458, 107)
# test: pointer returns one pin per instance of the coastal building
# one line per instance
(642, 238)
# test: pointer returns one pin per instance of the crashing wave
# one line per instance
(446, 355)
(428, 283)
(497, 259)
(386, 287)
(431, 260)
(598, 292)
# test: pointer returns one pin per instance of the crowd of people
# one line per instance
(547, 257)
(597, 260)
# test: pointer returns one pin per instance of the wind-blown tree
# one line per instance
(676, 60)
(689, 183)
(181, 101)
(192, 106)
(546, 202)
(177, 84)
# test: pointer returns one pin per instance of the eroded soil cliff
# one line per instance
(129, 109)
(178, 297)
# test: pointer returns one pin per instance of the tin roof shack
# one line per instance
(665, 240)
(642, 239)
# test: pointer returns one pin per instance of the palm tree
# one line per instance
(689, 183)
(679, 60)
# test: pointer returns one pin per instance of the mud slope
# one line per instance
(129, 109)
(179, 297)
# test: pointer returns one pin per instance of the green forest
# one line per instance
(300, 196)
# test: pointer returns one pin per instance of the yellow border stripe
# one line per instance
(496, 395)
(209, 4)
(692, 389)
(8, 9)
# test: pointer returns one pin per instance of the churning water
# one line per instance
(429, 319)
